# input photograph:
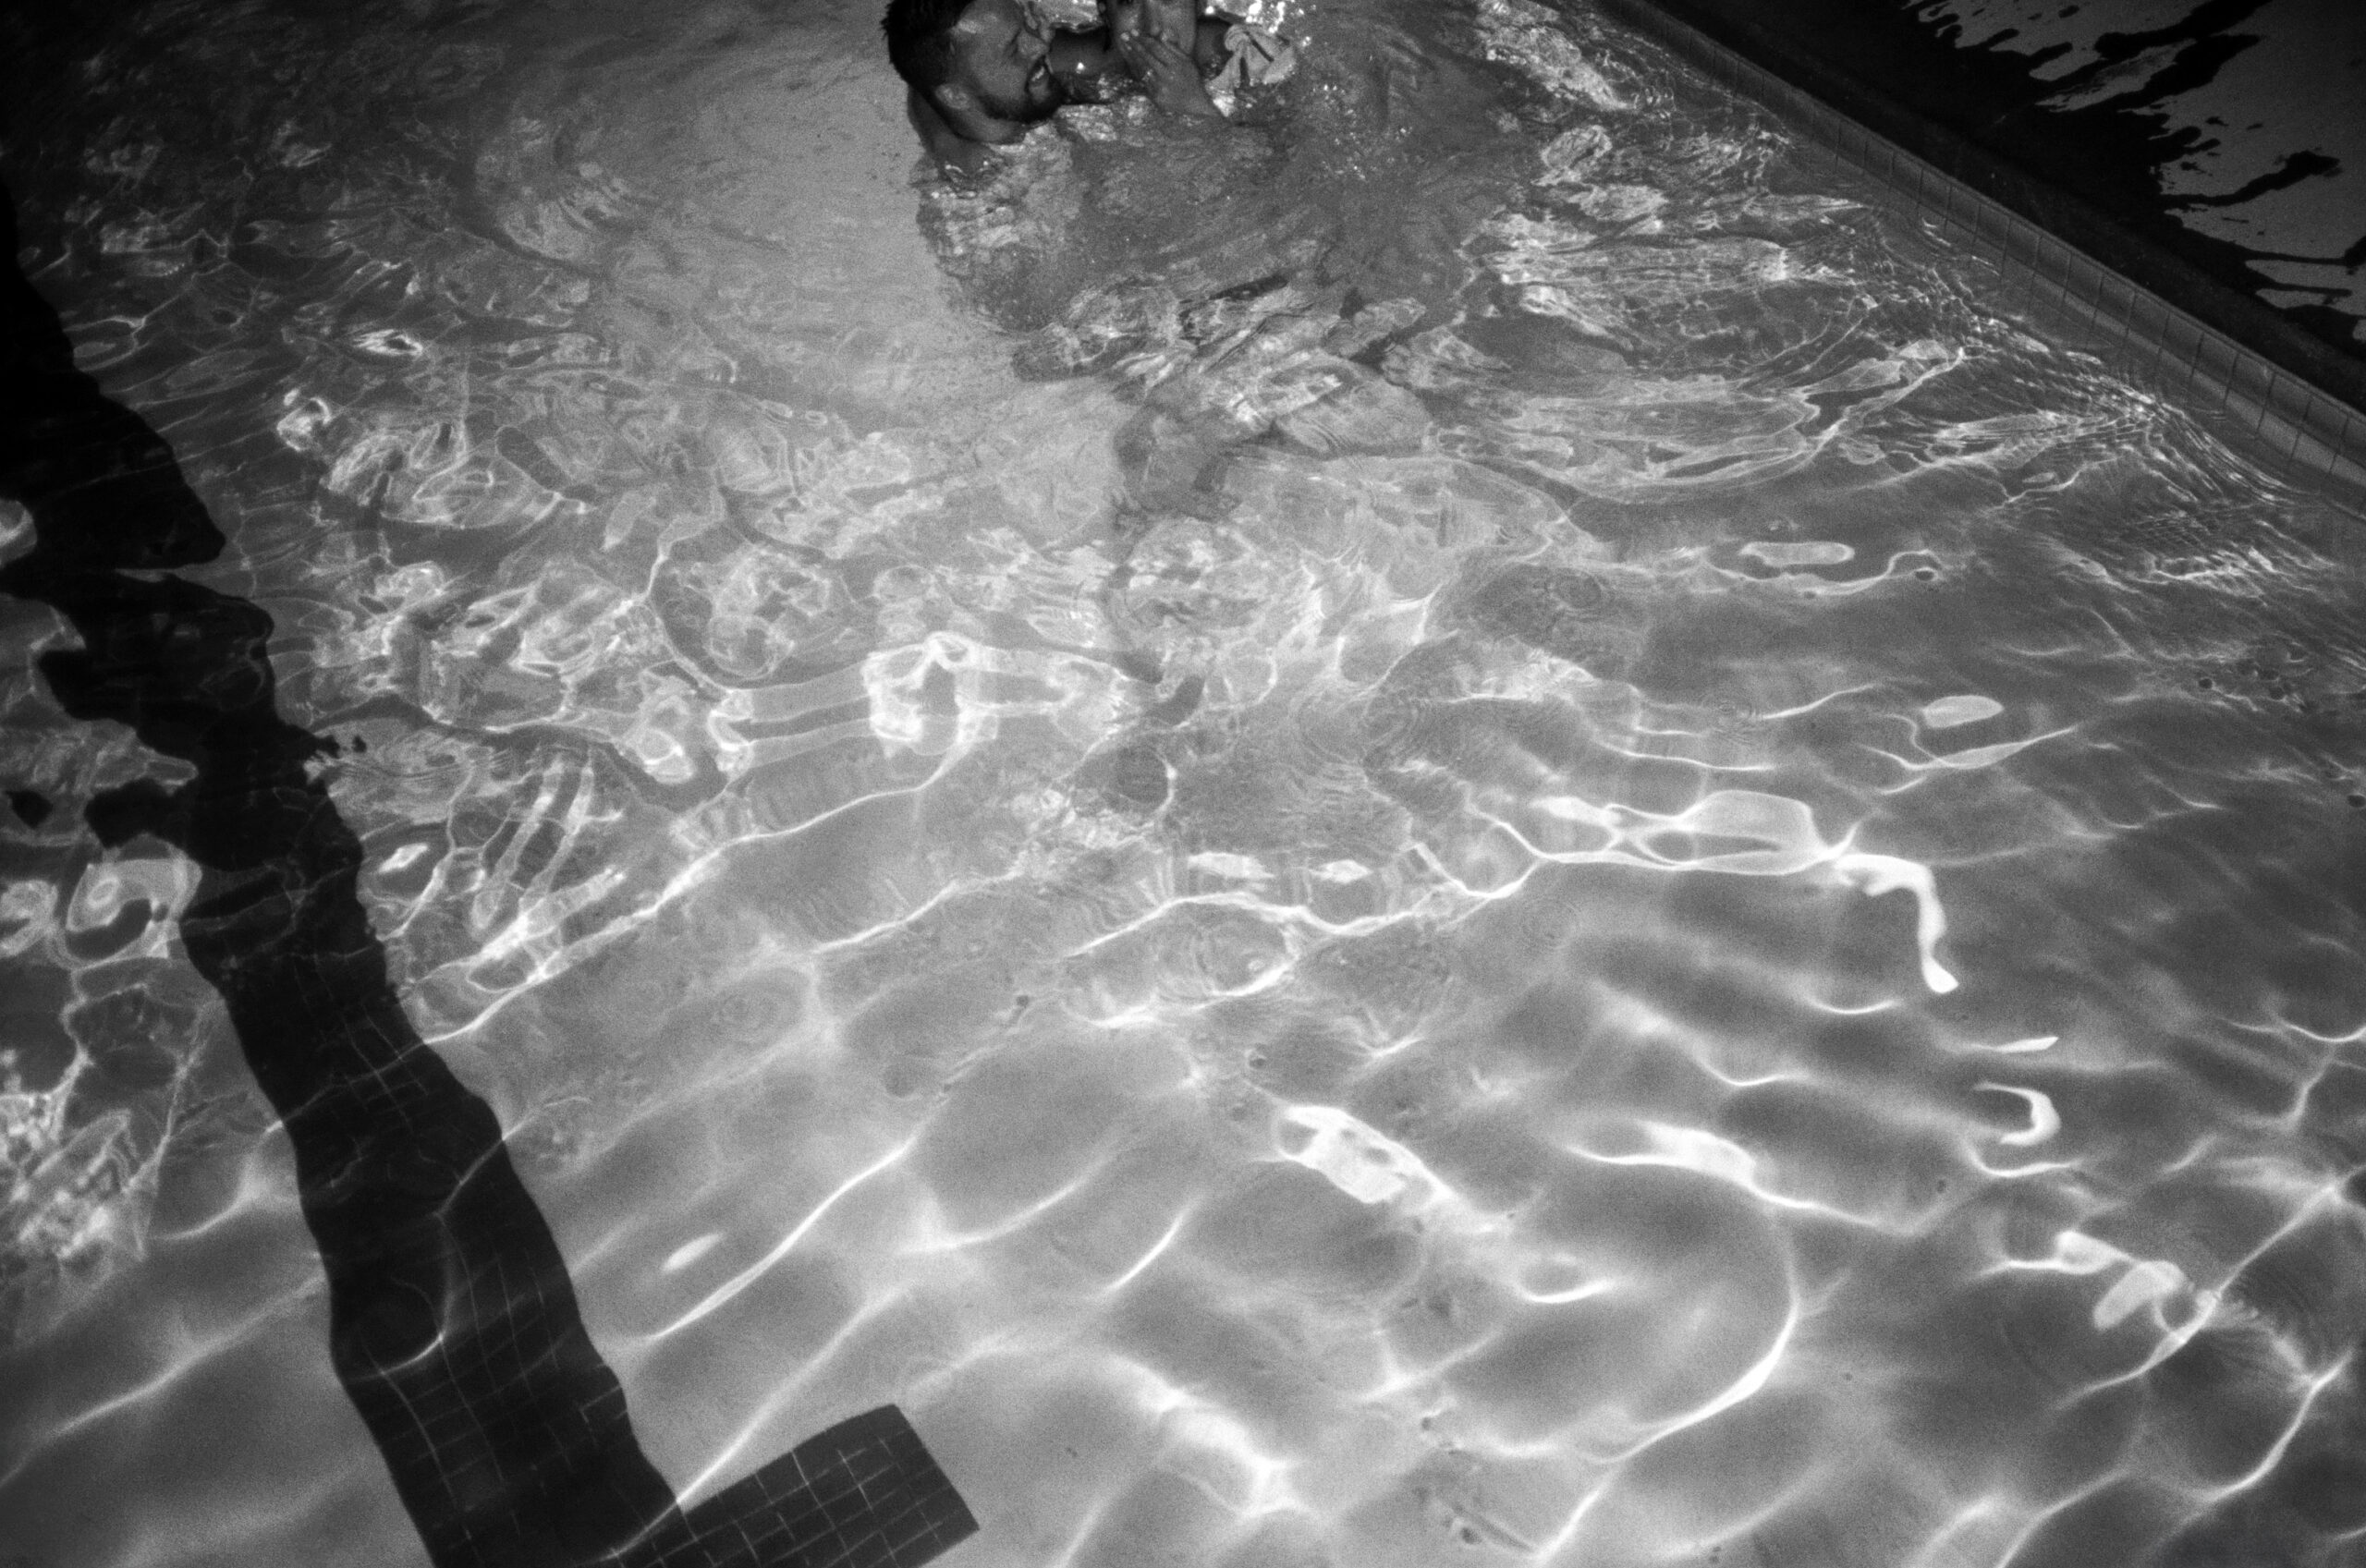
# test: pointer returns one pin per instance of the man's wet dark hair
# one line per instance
(919, 40)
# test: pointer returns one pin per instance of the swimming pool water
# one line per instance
(1470, 824)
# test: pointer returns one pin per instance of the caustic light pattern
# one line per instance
(453, 1326)
(1467, 823)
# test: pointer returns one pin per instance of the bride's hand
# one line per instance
(1177, 21)
(1168, 74)
(1174, 20)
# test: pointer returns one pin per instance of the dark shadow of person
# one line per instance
(453, 1323)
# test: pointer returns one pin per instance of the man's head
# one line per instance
(984, 64)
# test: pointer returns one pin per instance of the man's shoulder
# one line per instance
(945, 144)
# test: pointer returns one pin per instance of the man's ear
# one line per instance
(955, 99)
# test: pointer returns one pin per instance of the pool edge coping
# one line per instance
(2290, 417)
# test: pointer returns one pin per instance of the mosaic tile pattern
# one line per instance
(864, 1492)
(455, 1327)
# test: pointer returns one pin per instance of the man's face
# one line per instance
(1002, 49)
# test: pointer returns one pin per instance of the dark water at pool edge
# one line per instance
(455, 1329)
(1975, 115)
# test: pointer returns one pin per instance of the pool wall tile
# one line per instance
(2160, 343)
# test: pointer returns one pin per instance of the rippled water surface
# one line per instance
(1467, 825)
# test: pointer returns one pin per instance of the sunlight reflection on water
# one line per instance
(1229, 814)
